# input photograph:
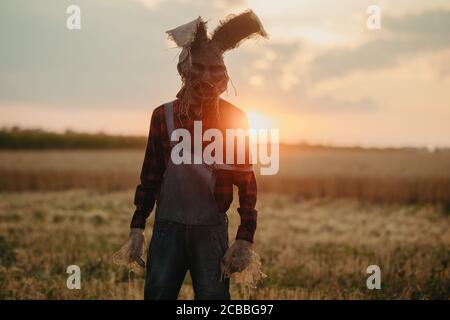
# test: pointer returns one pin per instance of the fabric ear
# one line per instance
(232, 31)
(186, 34)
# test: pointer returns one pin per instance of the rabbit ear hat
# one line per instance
(229, 34)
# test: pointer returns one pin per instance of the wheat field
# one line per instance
(322, 221)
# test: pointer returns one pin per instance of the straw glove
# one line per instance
(237, 257)
(136, 243)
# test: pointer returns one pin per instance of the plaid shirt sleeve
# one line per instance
(246, 183)
(152, 172)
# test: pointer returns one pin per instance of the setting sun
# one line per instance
(257, 121)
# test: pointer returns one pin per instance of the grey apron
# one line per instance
(187, 191)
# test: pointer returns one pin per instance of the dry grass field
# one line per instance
(411, 176)
(327, 216)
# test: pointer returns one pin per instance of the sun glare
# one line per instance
(257, 121)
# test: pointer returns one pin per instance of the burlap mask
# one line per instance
(201, 63)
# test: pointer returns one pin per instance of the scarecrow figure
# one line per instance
(190, 231)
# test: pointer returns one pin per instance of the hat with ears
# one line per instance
(229, 34)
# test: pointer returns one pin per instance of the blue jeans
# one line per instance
(176, 248)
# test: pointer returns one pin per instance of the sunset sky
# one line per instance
(321, 77)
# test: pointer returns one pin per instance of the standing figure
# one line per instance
(190, 232)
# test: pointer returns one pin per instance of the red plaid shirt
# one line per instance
(157, 155)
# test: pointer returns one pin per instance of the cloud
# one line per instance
(120, 57)
(330, 104)
(266, 59)
(435, 23)
(282, 69)
(399, 37)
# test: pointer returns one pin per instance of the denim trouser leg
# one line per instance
(176, 248)
(208, 247)
(166, 263)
